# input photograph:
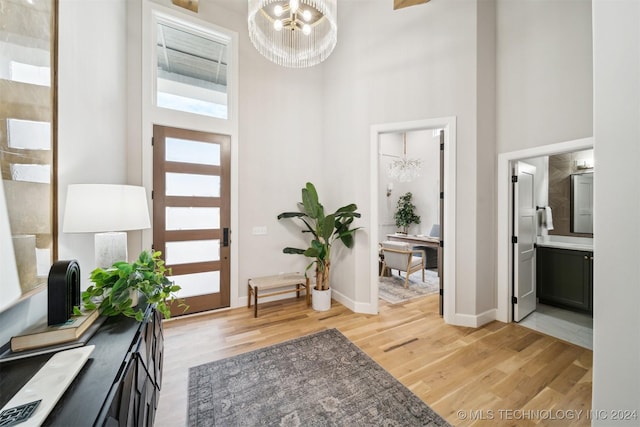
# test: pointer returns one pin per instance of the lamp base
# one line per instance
(110, 248)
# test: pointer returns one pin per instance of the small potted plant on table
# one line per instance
(115, 290)
(405, 214)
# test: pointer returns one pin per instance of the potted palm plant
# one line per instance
(405, 214)
(325, 230)
(115, 290)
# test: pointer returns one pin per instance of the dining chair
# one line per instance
(399, 256)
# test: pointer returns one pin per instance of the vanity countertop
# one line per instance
(566, 242)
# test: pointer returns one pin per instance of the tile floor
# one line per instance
(576, 328)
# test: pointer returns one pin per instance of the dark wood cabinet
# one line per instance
(564, 278)
(133, 399)
(118, 386)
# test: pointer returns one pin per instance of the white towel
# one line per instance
(548, 218)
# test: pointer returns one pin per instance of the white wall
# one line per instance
(92, 76)
(616, 329)
(485, 178)
(544, 72)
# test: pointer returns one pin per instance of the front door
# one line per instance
(523, 238)
(191, 214)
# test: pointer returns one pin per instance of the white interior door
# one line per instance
(524, 236)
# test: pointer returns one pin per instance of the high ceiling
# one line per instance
(201, 61)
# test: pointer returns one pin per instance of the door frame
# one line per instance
(140, 152)
(505, 221)
(449, 235)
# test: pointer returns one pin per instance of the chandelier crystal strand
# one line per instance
(290, 46)
(405, 170)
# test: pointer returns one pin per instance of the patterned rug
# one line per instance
(391, 289)
(317, 380)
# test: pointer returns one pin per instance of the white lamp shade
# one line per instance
(96, 208)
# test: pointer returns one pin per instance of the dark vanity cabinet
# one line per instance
(565, 278)
(118, 386)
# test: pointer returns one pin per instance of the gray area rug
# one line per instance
(391, 289)
(317, 380)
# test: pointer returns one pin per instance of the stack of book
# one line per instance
(44, 336)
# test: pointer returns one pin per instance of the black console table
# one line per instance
(118, 386)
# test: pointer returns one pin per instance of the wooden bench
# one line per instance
(257, 285)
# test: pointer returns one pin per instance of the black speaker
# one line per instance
(64, 291)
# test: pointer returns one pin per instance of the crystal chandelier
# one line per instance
(405, 170)
(294, 33)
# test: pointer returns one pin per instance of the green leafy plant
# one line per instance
(325, 229)
(112, 288)
(405, 214)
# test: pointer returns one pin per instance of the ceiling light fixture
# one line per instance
(405, 170)
(294, 33)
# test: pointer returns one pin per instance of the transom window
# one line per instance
(191, 70)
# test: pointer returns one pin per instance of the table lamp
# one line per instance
(109, 211)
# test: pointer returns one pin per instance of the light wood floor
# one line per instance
(500, 374)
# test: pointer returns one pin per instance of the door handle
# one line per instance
(225, 237)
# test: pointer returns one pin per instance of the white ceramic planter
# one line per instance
(134, 294)
(321, 300)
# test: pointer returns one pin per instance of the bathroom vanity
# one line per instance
(564, 272)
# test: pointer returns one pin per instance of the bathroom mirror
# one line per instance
(582, 203)
(27, 145)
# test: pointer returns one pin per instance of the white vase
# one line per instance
(134, 295)
(321, 300)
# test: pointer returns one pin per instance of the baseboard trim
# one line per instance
(355, 306)
(474, 321)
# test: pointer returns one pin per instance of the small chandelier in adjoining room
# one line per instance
(403, 169)
(294, 33)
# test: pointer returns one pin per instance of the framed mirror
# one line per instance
(28, 104)
(582, 203)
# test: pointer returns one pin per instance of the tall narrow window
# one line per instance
(191, 70)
